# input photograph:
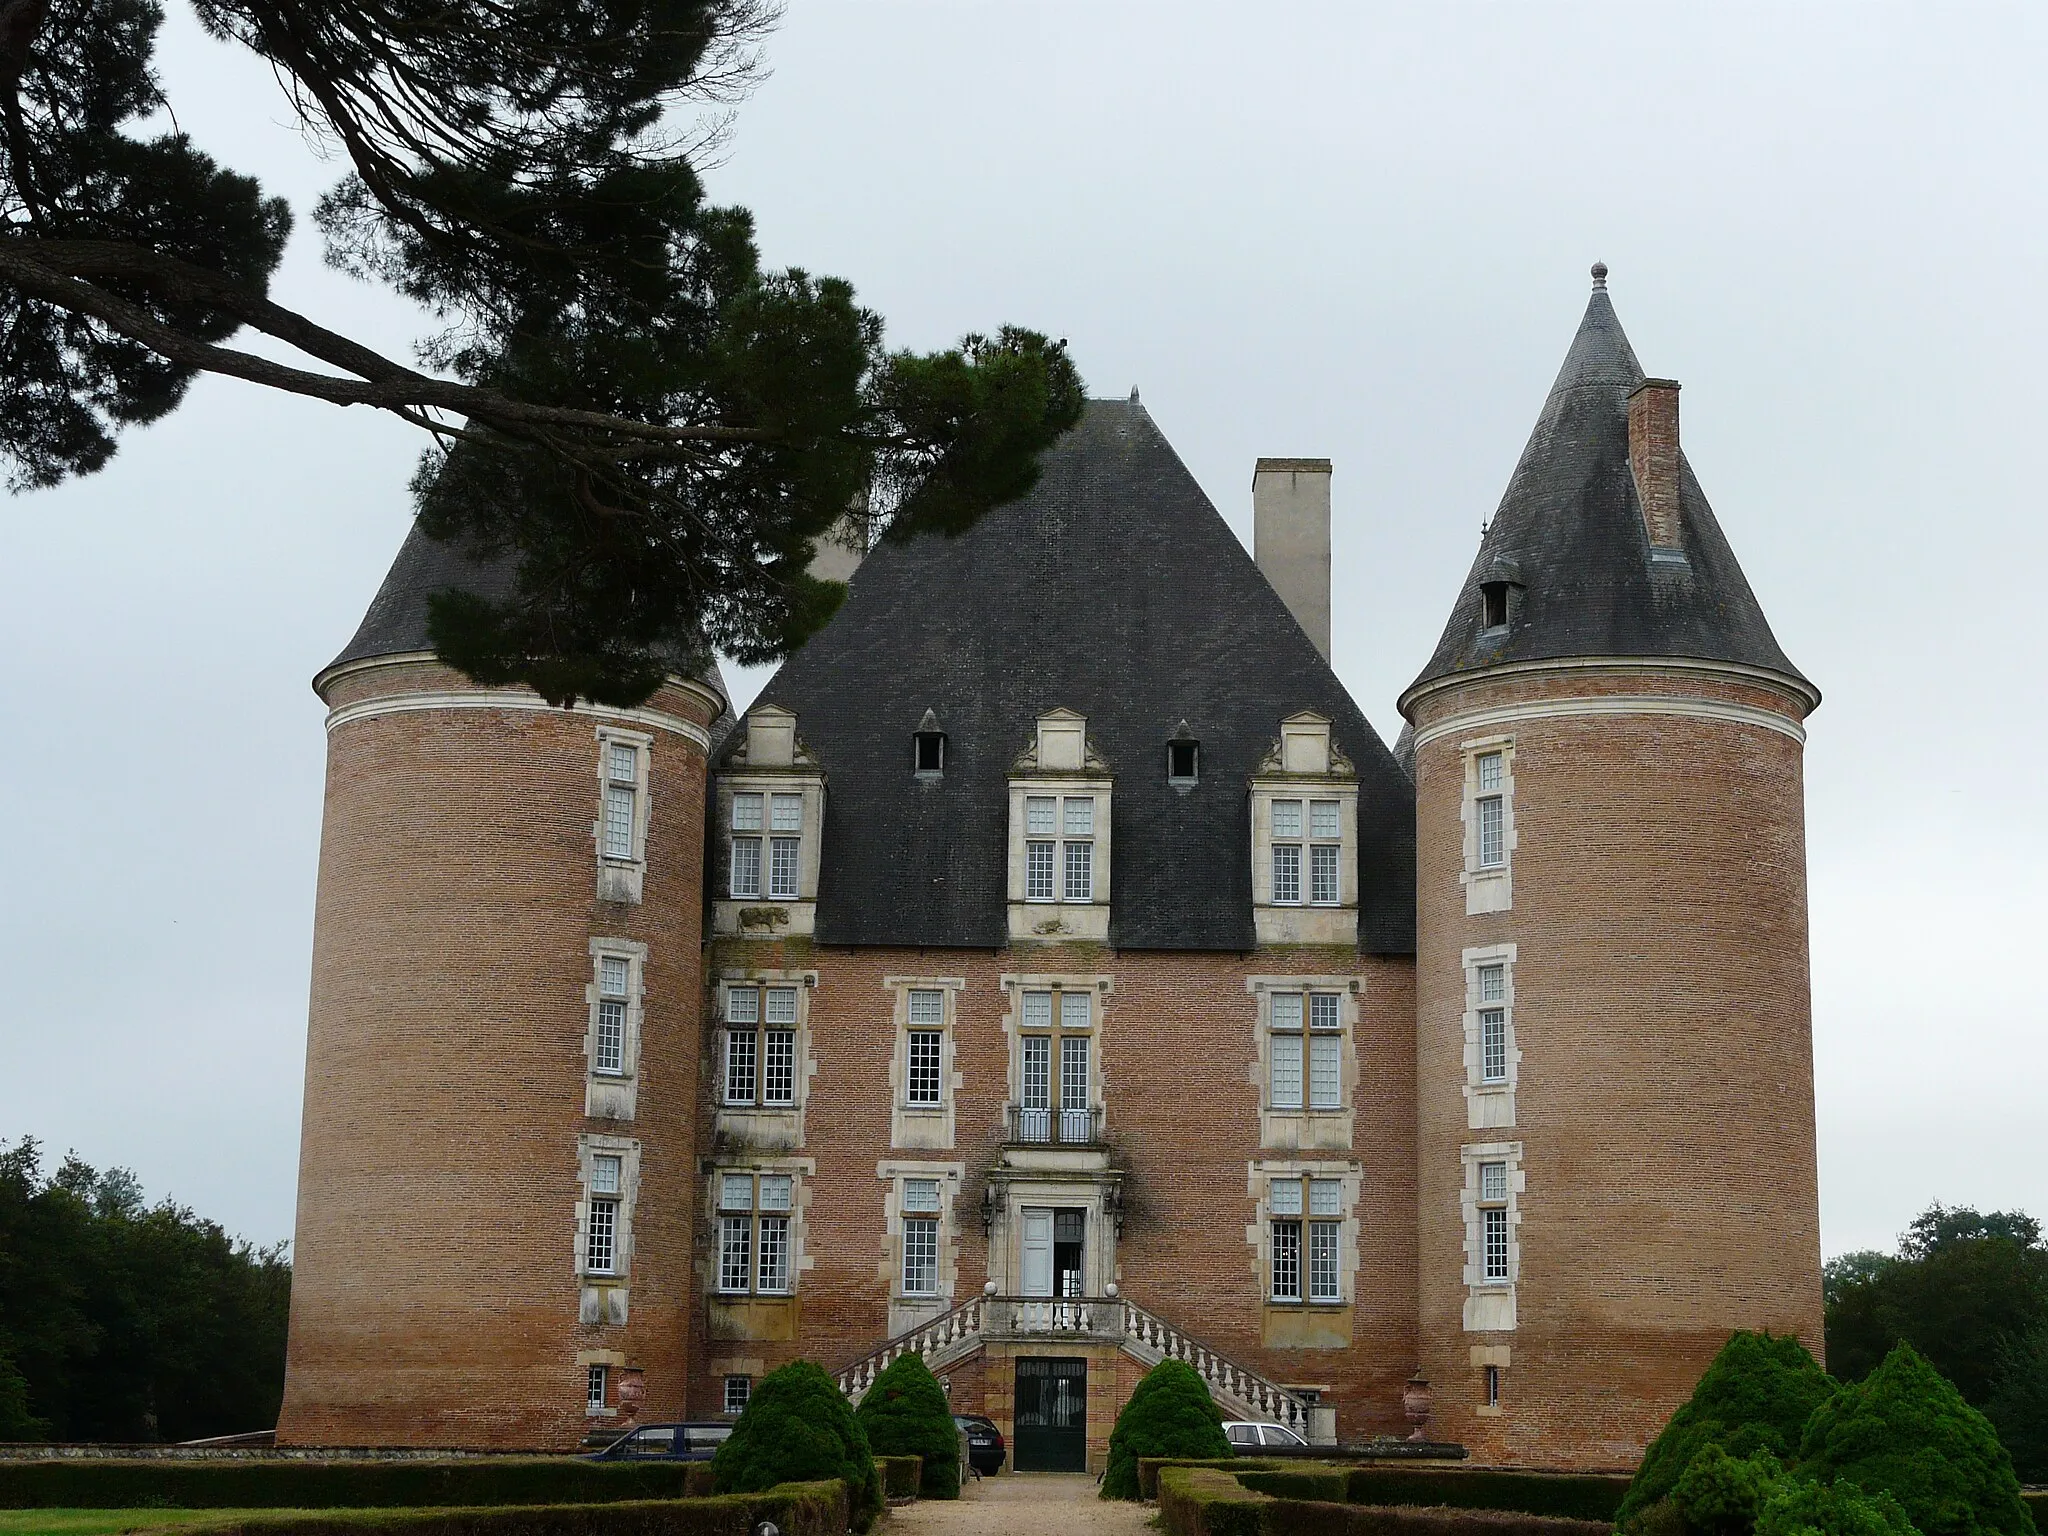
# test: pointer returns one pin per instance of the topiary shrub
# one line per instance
(1722, 1495)
(1905, 1430)
(1170, 1414)
(799, 1428)
(905, 1413)
(1757, 1394)
(1802, 1508)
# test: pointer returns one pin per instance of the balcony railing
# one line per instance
(1055, 1127)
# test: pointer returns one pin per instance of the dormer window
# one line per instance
(771, 801)
(1059, 834)
(1493, 604)
(1305, 838)
(1183, 759)
(929, 753)
(1500, 587)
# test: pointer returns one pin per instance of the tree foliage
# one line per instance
(1170, 1413)
(1969, 1292)
(1756, 1394)
(1906, 1430)
(798, 1427)
(129, 1322)
(1799, 1507)
(905, 1413)
(653, 428)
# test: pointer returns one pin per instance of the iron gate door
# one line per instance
(1052, 1415)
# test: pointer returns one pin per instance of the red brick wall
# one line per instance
(434, 1299)
(1665, 1097)
(1182, 1115)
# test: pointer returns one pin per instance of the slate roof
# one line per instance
(1113, 589)
(396, 622)
(1571, 522)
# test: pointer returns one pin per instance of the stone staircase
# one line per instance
(1144, 1336)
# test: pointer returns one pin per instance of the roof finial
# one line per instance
(1599, 277)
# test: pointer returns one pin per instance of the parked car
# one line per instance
(666, 1442)
(1242, 1432)
(985, 1449)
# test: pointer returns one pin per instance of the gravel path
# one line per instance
(1022, 1504)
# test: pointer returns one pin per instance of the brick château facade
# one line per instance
(1054, 970)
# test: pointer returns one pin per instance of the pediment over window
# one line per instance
(1060, 745)
(769, 740)
(1306, 747)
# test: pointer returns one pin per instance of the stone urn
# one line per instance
(632, 1391)
(1415, 1403)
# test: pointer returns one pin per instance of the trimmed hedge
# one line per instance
(800, 1509)
(2037, 1505)
(95, 1484)
(1208, 1501)
(902, 1476)
(1559, 1495)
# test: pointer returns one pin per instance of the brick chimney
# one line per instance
(1291, 539)
(1653, 456)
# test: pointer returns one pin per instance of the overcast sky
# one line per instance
(1351, 230)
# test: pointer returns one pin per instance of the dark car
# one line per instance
(666, 1442)
(985, 1449)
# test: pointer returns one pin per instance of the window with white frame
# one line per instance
(748, 812)
(924, 1082)
(597, 1388)
(1493, 1024)
(738, 1391)
(760, 1045)
(614, 996)
(1306, 1232)
(921, 1237)
(620, 826)
(1493, 1223)
(1307, 843)
(601, 1221)
(785, 845)
(753, 1233)
(1306, 1050)
(1055, 1065)
(1489, 809)
(1059, 848)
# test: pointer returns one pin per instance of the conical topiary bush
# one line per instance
(1170, 1414)
(1757, 1394)
(905, 1413)
(1905, 1430)
(798, 1427)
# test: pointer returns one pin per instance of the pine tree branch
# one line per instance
(60, 272)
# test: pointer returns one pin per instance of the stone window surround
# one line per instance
(614, 1095)
(766, 1126)
(923, 1127)
(764, 916)
(800, 1170)
(1490, 1305)
(1492, 888)
(908, 1311)
(613, 1361)
(623, 879)
(1258, 1235)
(1495, 1356)
(1014, 986)
(1304, 764)
(1061, 761)
(1321, 1130)
(1490, 1106)
(604, 1297)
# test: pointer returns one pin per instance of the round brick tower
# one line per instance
(496, 1178)
(1614, 1053)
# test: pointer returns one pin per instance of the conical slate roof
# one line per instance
(1570, 530)
(1113, 589)
(396, 622)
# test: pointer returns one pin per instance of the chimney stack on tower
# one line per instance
(1291, 539)
(1653, 455)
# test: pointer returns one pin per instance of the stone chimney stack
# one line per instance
(1653, 455)
(1291, 539)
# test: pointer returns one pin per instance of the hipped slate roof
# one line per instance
(1572, 525)
(1116, 590)
(396, 623)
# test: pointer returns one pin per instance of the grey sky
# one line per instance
(1346, 230)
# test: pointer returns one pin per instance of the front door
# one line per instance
(1052, 1415)
(1037, 1253)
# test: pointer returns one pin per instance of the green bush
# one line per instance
(2017, 1409)
(901, 1475)
(1721, 1495)
(1296, 1480)
(905, 1413)
(1169, 1414)
(1588, 1496)
(799, 1428)
(1904, 1429)
(1213, 1501)
(1803, 1508)
(106, 1484)
(799, 1509)
(1203, 1501)
(1757, 1394)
